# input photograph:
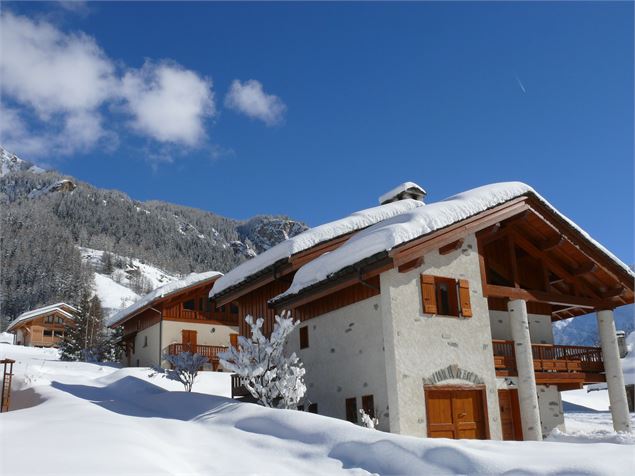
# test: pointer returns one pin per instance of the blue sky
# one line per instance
(347, 100)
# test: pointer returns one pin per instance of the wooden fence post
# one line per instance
(6, 384)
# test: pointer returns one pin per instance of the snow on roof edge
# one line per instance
(190, 280)
(344, 256)
(32, 314)
(309, 238)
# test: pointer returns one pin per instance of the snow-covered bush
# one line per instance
(185, 367)
(271, 377)
(367, 420)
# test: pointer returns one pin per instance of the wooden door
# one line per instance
(439, 411)
(510, 415)
(456, 413)
(188, 340)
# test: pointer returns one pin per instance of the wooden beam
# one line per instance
(410, 265)
(616, 292)
(420, 246)
(492, 290)
(329, 287)
(582, 242)
(449, 248)
(585, 269)
(556, 267)
(548, 245)
(489, 232)
(246, 288)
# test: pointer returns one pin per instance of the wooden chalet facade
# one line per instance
(175, 318)
(43, 327)
(448, 332)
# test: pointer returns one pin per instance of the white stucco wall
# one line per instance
(417, 345)
(345, 359)
(206, 334)
(549, 404)
(146, 356)
(540, 327)
(550, 407)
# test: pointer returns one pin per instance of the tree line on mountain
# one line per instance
(40, 233)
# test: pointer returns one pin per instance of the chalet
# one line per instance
(42, 327)
(437, 318)
(177, 317)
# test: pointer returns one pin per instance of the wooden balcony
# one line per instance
(567, 366)
(209, 351)
(218, 317)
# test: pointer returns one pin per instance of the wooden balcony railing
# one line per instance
(178, 312)
(550, 358)
(209, 351)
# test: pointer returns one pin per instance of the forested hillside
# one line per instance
(46, 216)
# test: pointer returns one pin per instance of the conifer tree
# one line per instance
(85, 339)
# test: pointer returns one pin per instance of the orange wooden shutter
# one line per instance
(233, 340)
(464, 297)
(428, 294)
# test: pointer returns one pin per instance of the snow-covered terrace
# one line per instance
(407, 226)
(283, 251)
(61, 307)
(147, 300)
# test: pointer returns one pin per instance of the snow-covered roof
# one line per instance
(310, 238)
(401, 188)
(161, 292)
(62, 307)
(388, 234)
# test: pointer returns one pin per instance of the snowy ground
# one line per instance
(77, 418)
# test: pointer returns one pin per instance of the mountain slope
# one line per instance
(46, 216)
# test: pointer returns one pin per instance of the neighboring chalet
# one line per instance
(438, 318)
(177, 317)
(42, 327)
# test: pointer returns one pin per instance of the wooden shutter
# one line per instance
(233, 340)
(351, 409)
(428, 294)
(304, 337)
(464, 298)
(368, 404)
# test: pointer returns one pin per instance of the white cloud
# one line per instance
(51, 71)
(169, 103)
(62, 82)
(79, 132)
(250, 99)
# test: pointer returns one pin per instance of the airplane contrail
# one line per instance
(520, 84)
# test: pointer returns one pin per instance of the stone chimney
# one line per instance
(621, 343)
(403, 191)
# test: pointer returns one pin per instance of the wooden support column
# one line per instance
(527, 392)
(613, 369)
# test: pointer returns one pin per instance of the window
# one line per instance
(368, 404)
(313, 408)
(48, 333)
(300, 408)
(145, 341)
(233, 309)
(58, 333)
(60, 320)
(351, 410)
(304, 337)
(190, 305)
(445, 296)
